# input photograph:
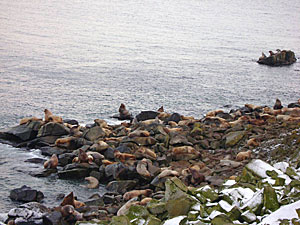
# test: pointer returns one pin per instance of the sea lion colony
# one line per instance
(135, 159)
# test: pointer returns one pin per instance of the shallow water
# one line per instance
(81, 59)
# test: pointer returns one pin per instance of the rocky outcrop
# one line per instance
(26, 194)
(280, 58)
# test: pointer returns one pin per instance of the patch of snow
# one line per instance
(225, 205)
(196, 207)
(174, 221)
(239, 195)
(214, 214)
(211, 204)
(260, 168)
(269, 180)
(288, 180)
(285, 212)
(281, 166)
(256, 200)
(229, 183)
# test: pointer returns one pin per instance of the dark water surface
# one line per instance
(81, 59)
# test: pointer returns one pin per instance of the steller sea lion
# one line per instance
(277, 104)
(49, 117)
(123, 156)
(29, 119)
(135, 193)
(93, 182)
(51, 163)
(70, 200)
(241, 156)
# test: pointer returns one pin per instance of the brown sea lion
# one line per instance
(51, 163)
(123, 156)
(93, 182)
(70, 200)
(124, 113)
(49, 117)
(252, 142)
(64, 142)
(143, 152)
(29, 119)
(135, 193)
(145, 201)
(277, 104)
(241, 156)
(142, 169)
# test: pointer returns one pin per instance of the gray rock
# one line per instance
(53, 129)
(21, 133)
(94, 133)
(53, 218)
(26, 194)
(121, 186)
(146, 115)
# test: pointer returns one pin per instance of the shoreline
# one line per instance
(145, 155)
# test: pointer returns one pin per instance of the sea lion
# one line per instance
(143, 152)
(139, 133)
(123, 156)
(278, 104)
(75, 131)
(70, 200)
(99, 146)
(141, 168)
(263, 56)
(64, 142)
(214, 113)
(197, 177)
(49, 117)
(29, 119)
(167, 172)
(135, 193)
(124, 113)
(93, 182)
(83, 157)
(252, 142)
(70, 214)
(101, 123)
(161, 109)
(145, 201)
(107, 162)
(124, 209)
(51, 163)
(241, 156)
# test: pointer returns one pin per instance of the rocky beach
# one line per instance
(235, 167)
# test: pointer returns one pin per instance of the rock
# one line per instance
(66, 158)
(26, 194)
(185, 153)
(53, 129)
(185, 203)
(36, 160)
(174, 117)
(146, 115)
(156, 207)
(43, 172)
(49, 151)
(260, 168)
(94, 133)
(76, 171)
(121, 186)
(270, 199)
(221, 219)
(137, 212)
(281, 58)
(21, 133)
(29, 213)
(179, 139)
(52, 218)
(71, 122)
(120, 220)
(232, 138)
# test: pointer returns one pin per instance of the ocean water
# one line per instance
(82, 59)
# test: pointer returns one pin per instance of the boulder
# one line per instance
(53, 129)
(281, 58)
(29, 213)
(121, 186)
(26, 194)
(52, 218)
(232, 138)
(21, 133)
(146, 115)
(94, 133)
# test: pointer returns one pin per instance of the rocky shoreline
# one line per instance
(161, 167)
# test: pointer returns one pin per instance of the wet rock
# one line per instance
(29, 213)
(49, 151)
(144, 140)
(121, 186)
(146, 115)
(175, 117)
(26, 194)
(36, 160)
(52, 218)
(156, 207)
(94, 133)
(53, 129)
(71, 122)
(43, 172)
(221, 219)
(66, 158)
(281, 58)
(120, 220)
(77, 171)
(21, 133)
